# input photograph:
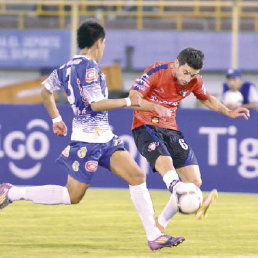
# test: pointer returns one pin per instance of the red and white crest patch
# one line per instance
(91, 75)
(91, 166)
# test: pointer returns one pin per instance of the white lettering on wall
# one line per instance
(247, 149)
(18, 144)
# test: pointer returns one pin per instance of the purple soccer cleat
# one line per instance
(4, 189)
(165, 241)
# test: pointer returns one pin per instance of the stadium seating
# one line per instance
(173, 15)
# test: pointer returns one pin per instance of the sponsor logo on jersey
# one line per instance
(142, 83)
(184, 92)
(66, 151)
(82, 152)
(152, 146)
(165, 102)
(91, 166)
(155, 119)
(91, 75)
(76, 166)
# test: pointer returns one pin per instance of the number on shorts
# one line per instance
(183, 144)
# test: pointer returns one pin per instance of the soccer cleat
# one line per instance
(172, 184)
(161, 228)
(4, 189)
(165, 241)
(207, 201)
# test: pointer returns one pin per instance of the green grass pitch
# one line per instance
(105, 224)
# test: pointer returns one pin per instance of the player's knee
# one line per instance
(138, 178)
(75, 199)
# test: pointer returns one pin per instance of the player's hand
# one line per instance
(59, 128)
(136, 100)
(163, 111)
(240, 112)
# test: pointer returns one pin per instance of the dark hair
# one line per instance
(191, 56)
(88, 33)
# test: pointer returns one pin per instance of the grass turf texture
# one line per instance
(105, 224)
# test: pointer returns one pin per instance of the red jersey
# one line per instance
(158, 85)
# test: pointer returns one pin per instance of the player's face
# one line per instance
(184, 73)
(234, 83)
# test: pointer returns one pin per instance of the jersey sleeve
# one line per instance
(200, 90)
(91, 83)
(52, 83)
(145, 82)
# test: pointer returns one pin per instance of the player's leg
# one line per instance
(150, 143)
(76, 189)
(186, 166)
(45, 194)
(77, 182)
(164, 165)
(125, 167)
(190, 174)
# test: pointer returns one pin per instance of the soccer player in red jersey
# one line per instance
(156, 134)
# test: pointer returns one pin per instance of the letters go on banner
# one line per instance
(226, 149)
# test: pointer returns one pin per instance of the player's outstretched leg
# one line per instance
(207, 201)
(165, 241)
(4, 189)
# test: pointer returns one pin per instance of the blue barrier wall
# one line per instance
(41, 49)
(227, 149)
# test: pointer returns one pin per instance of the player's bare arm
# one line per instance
(109, 104)
(214, 104)
(59, 127)
(150, 106)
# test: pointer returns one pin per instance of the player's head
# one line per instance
(91, 35)
(189, 62)
(234, 79)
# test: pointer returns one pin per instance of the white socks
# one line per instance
(168, 212)
(142, 201)
(170, 209)
(46, 194)
(169, 177)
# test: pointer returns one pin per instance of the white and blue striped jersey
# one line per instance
(84, 83)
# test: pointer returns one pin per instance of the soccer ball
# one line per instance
(188, 197)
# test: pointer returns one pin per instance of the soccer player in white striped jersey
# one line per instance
(92, 143)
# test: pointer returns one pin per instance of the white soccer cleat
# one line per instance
(207, 201)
